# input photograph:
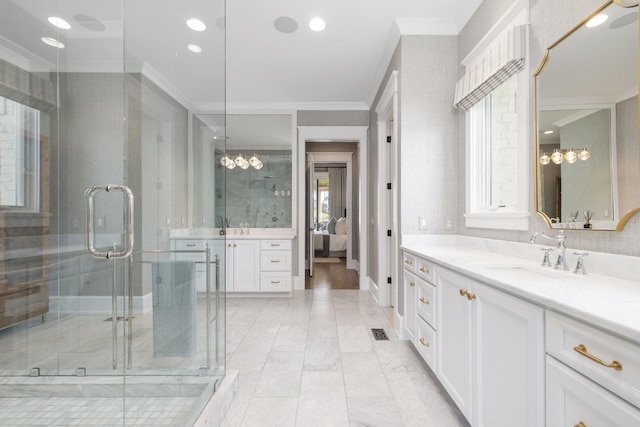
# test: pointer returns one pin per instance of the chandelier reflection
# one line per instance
(230, 162)
(559, 155)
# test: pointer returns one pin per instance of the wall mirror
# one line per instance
(587, 154)
(253, 155)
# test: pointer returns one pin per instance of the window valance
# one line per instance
(492, 68)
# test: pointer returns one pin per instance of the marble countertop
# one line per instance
(610, 303)
(233, 233)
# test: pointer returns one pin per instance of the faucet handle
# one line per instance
(546, 262)
(580, 264)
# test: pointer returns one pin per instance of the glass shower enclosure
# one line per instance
(105, 157)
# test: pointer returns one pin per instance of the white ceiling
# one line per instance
(340, 67)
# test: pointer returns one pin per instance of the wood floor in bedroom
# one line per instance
(332, 276)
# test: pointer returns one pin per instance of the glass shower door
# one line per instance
(97, 101)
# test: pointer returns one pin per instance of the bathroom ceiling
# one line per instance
(340, 67)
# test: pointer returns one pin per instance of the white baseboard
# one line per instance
(97, 304)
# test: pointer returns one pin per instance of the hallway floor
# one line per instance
(311, 360)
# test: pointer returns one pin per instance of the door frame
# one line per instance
(388, 208)
(333, 134)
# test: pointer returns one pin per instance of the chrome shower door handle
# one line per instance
(89, 196)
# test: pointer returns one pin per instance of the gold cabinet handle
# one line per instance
(580, 424)
(471, 296)
(275, 282)
(424, 270)
(463, 292)
(424, 301)
(190, 245)
(583, 351)
(423, 342)
(412, 284)
(229, 245)
(408, 261)
(275, 261)
(275, 245)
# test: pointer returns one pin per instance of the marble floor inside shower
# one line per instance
(77, 384)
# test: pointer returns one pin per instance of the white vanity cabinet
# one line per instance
(419, 306)
(248, 265)
(275, 265)
(243, 268)
(409, 284)
(593, 377)
(490, 352)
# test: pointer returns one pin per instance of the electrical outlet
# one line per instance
(422, 223)
(448, 224)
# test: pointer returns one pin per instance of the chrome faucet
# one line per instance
(560, 239)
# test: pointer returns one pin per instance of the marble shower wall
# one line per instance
(261, 197)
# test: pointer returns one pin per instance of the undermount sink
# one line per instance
(527, 271)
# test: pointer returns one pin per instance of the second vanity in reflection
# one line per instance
(258, 262)
(514, 343)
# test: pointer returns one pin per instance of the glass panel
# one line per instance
(105, 103)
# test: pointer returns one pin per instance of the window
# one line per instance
(497, 140)
(19, 156)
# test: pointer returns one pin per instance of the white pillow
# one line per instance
(341, 226)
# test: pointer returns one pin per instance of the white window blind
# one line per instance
(499, 62)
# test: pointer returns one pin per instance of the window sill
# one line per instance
(498, 220)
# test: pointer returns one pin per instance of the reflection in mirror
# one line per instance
(587, 98)
(253, 169)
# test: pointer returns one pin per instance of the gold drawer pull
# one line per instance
(412, 284)
(423, 342)
(190, 245)
(275, 261)
(424, 301)
(424, 270)
(408, 261)
(580, 424)
(471, 296)
(275, 245)
(583, 351)
(463, 292)
(275, 282)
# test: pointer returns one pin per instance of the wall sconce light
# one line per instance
(561, 154)
(240, 160)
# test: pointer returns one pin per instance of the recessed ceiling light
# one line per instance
(285, 24)
(52, 42)
(59, 22)
(317, 24)
(194, 48)
(596, 20)
(196, 24)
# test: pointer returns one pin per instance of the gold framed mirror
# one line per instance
(587, 157)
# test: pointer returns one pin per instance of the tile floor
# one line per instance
(311, 360)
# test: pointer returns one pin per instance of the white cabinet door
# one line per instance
(243, 272)
(573, 400)
(508, 342)
(453, 361)
(409, 282)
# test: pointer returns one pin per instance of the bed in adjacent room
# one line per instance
(332, 241)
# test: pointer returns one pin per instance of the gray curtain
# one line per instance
(337, 192)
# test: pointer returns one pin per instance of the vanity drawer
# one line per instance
(595, 354)
(275, 245)
(409, 261)
(275, 282)
(424, 269)
(426, 342)
(190, 245)
(426, 297)
(573, 400)
(275, 261)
